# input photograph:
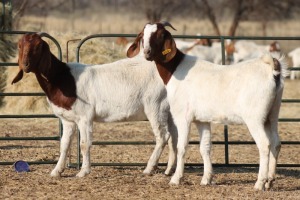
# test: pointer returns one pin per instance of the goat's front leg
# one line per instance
(68, 133)
(85, 128)
(162, 137)
(172, 146)
(183, 127)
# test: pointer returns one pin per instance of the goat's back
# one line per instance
(223, 93)
(119, 91)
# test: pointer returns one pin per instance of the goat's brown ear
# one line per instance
(169, 47)
(18, 77)
(134, 49)
(45, 59)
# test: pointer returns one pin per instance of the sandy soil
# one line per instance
(129, 182)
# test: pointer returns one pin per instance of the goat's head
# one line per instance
(34, 55)
(158, 43)
(274, 47)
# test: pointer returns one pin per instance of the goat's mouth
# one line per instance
(26, 68)
(149, 57)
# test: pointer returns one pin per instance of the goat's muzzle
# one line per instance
(148, 54)
(26, 67)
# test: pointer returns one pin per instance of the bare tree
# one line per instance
(156, 10)
(209, 11)
(247, 10)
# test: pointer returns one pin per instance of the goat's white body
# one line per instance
(246, 50)
(126, 90)
(184, 45)
(209, 53)
(224, 93)
(244, 93)
(295, 55)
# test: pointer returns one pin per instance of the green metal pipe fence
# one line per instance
(14, 116)
(225, 143)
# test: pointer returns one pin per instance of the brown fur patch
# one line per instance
(53, 75)
(166, 70)
(277, 68)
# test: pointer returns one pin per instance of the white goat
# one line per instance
(246, 50)
(295, 55)
(212, 53)
(126, 90)
(246, 93)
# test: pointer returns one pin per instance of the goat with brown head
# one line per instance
(53, 75)
(33, 52)
(159, 46)
(158, 43)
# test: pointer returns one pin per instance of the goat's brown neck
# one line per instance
(58, 84)
(166, 70)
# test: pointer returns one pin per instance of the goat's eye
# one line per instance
(162, 36)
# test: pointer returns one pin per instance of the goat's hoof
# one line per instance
(259, 185)
(83, 173)
(174, 181)
(269, 184)
(147, 172)
(169, 172)
(55, 173)
(206, 182)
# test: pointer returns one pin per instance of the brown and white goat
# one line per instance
(245, 93)
(126, 90)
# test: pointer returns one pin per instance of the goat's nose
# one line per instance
(147, 51)
(25, 63)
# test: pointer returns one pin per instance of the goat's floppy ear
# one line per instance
(134, 49)
(18, 77)
(169, 47)
(45, 60)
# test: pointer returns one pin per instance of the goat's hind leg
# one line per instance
(274, 152)
(204, 130)
(85, 128)
(161, 135)
(68, 133)
(263, 143)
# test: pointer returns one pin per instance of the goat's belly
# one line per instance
(220, 119)
(121, 116)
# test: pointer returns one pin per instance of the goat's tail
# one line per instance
(279, 65)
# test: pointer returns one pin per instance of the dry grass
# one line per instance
(122, 182)
(129, 182)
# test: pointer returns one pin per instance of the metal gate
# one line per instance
(56, 138)
(224, 143)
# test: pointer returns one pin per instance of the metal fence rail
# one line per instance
(225, 143)
(13, 116)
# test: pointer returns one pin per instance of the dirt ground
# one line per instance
(115, 182)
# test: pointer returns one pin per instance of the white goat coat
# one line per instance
(246, 50)
(209, 53)
(244, 93)
(109, 93)
(295, 55)
(126, 90)
(214, 93)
